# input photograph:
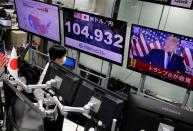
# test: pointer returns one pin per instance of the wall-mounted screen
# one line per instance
(161, 54)
(178, 3)
(39, 18)
(95, 35)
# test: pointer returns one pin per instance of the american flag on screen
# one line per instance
(145, 39)
(3, 55)
(187, 55)
(77, 15)
(81, 16)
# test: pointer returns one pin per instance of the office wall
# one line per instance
(83, 5)
(104, 7)
(180, 21)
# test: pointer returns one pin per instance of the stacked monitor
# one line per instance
(39, 18)
(95, 35)
(146, 114)
(161, 54)
(69, 82)
(21, 112)
(109, 105)
(77, 92)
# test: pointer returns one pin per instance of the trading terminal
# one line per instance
(128, 65)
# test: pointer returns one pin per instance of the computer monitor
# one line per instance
(22, 113)
(109, 105)
(39, 18)
(70, 62)
(69, 82)
(146, 113)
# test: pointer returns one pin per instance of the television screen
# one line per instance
(39, 18)
(69, 82)
(70, 62)
(161, 54)
(22, 113)
(109, 105)
(147, 114)
(178, 3)
(95, 35)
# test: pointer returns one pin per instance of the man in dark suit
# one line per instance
(166, 58)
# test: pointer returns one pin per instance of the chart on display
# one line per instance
(161, 54)
(39, 18)
(95, 35)
(178, 3)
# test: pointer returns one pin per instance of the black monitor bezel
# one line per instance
(150, 74)
(101, 94)
(190, 8)
(68, 71)
(97, 56)
(162, 110)
(121, 96)
(60, 40)
(104, 91)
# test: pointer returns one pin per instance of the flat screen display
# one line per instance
(161, 54)
(39, 18)
(95, 35)
(108, 105)
(70, 62)
(178, 3)
(22, 114)
(148, 114)
(69, 82)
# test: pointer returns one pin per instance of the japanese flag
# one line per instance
(12, 64)
(85, 17)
